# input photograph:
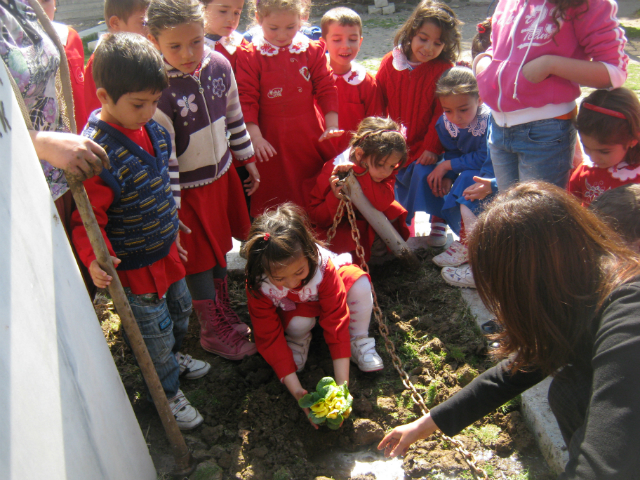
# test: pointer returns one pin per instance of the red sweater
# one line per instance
(324, 296)
(157, 277)
(91, 101)
(358, 98)
(323, 205)
(410, 99)
(588, 182)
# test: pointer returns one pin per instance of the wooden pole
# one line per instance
(184, 462)
(379, 222)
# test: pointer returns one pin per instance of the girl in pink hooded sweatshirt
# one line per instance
(542, 52)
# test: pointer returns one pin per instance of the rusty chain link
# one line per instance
(345, 204)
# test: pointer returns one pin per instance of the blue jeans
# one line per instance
(541, 150)
(163, 323)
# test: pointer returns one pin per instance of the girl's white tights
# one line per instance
(360, 303)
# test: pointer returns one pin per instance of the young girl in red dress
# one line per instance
(290, 281)
(279, 76)
(426, 45)
(377, 150)
(221, 20)
(201, 111)
(609, 128)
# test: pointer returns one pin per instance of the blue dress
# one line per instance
(469, 155)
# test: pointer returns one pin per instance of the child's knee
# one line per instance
(360, 292)
(300, 326)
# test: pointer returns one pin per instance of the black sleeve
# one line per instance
(487, 392)
(608, 444)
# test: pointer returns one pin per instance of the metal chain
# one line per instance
(345, 203)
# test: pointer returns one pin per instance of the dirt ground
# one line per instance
(253, 429)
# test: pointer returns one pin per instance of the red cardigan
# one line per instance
(410, 99)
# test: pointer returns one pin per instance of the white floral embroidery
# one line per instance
(451, 127)
(299, 44)
(477, 127)
(275, 92)
(306, 74)
(623, 172)
(400, 60)
(187, 104)
(218, 87)
(232, 42)
(594, 191)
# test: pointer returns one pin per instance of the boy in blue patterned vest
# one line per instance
(134, 206)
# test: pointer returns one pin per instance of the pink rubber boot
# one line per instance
(222, 294)
(217, 335)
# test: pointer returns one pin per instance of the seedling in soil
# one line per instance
(432, 391)
(330, 403)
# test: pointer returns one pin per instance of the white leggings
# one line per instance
(360, 303)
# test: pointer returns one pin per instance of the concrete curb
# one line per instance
(535, 407)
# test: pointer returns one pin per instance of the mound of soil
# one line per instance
(254, 430)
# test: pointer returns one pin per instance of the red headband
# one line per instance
(605, 111)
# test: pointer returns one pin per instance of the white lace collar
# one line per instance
(477, 127)
(400, 60)
(308, 293)
(355, 76)
(230, 43)
(299, 44)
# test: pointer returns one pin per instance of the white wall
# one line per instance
(64, 413)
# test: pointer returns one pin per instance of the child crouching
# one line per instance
(135, 209)
(291, 280)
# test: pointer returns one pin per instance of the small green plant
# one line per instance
(282, 474)
(456, 353)
(201, 398)
(432, 391)
(511, 405)
(330, 403)
(437, 359)
(486, 433)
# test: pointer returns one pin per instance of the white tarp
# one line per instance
(64, 413)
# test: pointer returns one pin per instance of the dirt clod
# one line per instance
(362, 406)
(366, 432)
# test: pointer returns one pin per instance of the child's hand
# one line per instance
(264, 150)
(182, 253)
(445, 187)
(333, 181)
(330, 133)
(100, 278)
(292, 383)
(398, 441)
(539, 68)
(479, 190)
(252, 183)
(427, 158)
(435, 178)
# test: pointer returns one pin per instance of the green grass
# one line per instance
(511, 405)
(85, 46)
(631, 32)
(371, 64)
(485, 434)
(633, 78)
(432, 391)
(201, 398)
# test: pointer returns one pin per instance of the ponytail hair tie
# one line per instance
(266, 237)
(480, 28)
(605, 111)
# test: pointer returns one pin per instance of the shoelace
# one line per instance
(226, 333)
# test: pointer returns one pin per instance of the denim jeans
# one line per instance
(541, 150)
(163, 323)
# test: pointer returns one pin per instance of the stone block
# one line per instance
(381, 3)
(389, 9)
(374, 10)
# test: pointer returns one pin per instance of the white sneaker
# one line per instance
(454, 256)
(438, 236)
(186, 415)
(459, 277)
(190, 367)
(363, 354)
(300, 350)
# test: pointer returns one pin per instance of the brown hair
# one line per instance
(378, 137)
(163, 14)
(610, 130)
(541, 264)
(127, 62)
(123, 9)
(481, 41)
(457, 81)
(343, 16)
(263, 8)
(276, 237)
(620, 209)
(441, 16)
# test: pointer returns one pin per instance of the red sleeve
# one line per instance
(382, 78)
(101, 197)
(576, 183)
(372, 96)
(324, 86)
(268, 334)
(91, 101)
(431, 141)
(323, 204)
(75, 58)
(381, 195)
(248, 80)
(334, 318)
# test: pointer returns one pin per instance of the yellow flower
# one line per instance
(347, 413)
(320, 409)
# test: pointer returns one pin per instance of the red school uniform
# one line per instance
(358, 98)
(74, 50)
(91, 101)
(588, 182)
(323, 205)
(155, 278)
(277, 89)
(325, 296)
(409, 96)
(227, 46)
